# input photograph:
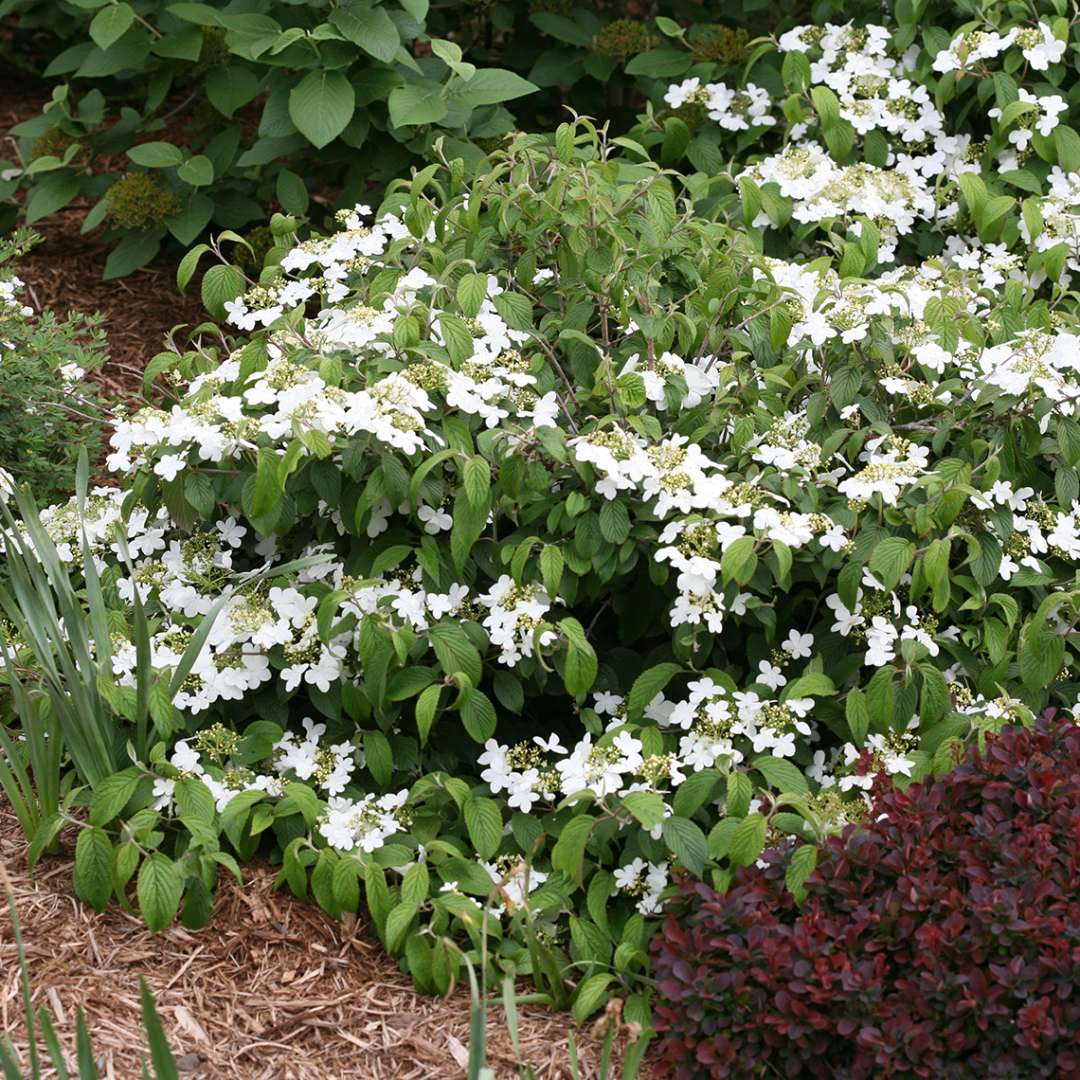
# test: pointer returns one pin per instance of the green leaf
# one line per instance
(646, 686)
(189, 224)
(457, 337)
(1067, 143)
(427, 705)
(370, 28)
(579, 672)
(748, 840)
(398, 924)
(591, 994)
(269, 488)
(471, 293)
(687, 842)
(812, 684)
(721, 836)
(379, 757)
(159, 888)
(827, 106)
(111, 23)
(858, 717)
(568, 855)
(781, 774)
(695, 791)
(485, 824)
(614, 521)
(890, 560)
(552, 563)
(321, 106)
(739, 560)
(493, 86)
(454, 651)
(660, 63)
(93, 867)
(417, 103)
(415, 885)
(292, 192)
(189, 264)
(478, 716)
(52, 194)
(477, 481)
(646, 806)
(156, 155)
(112, 795)
(739, 793)
(133, 252)
(221, 283)
(197, 171)
(231, 88)
(1041, 655)
(165, 1067)
(801, 866)
(514, 309)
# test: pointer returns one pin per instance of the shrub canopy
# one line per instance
(555, 524)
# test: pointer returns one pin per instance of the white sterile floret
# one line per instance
(968, 49)
(890, 466)
(738, 109)
(1039, 46)
(515, 617)
(1043, 117)
(362, 824)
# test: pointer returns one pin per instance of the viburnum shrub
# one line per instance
(940, 938)
(956, 139)
(547, 528)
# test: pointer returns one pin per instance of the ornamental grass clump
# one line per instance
(938, 938)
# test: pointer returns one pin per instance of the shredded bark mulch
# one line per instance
(272, 989)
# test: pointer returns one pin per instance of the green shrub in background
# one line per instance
(174, 117)
(48, 409)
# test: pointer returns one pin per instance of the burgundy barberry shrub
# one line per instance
(942, 939)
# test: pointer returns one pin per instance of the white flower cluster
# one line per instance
(820, 190)
(9, 303)
(879, 91)
(207, 757)
(227, 413)
(1038, 45)
(737, 109)
(872, 87)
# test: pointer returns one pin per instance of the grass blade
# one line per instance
(88, 1069)
(52, 1044)
(24, 980)
(164, 1065)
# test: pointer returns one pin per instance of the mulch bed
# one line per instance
(272, 989)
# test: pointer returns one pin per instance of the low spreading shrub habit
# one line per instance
(941, 938)
(546, 529)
